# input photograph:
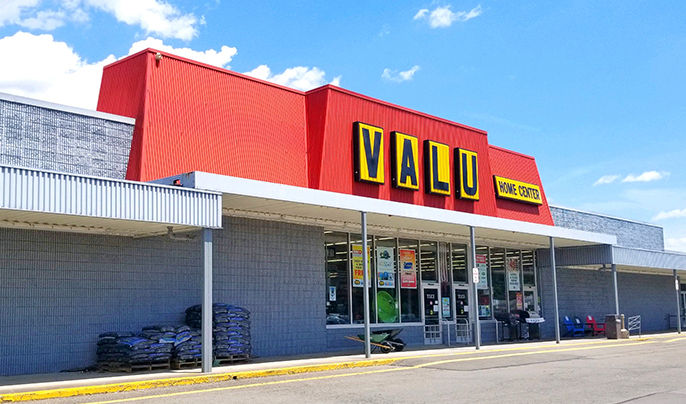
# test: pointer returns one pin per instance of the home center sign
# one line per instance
(370, 160)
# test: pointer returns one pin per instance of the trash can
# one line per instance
(614, 324)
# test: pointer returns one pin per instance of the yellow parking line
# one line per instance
(395, 369)
(676, 339)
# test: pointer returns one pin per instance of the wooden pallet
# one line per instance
(138, 367)
(186, 364)
(226, 360)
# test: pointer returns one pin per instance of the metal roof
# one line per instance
(270, 201)
(49, 200)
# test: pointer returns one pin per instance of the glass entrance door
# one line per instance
(432, 302)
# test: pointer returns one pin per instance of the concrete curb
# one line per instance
(188, 380)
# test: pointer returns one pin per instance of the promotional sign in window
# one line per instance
(408, 275)
(520, 301)
(512, 267)
(358, 267)
(385, 267)
(482, 265)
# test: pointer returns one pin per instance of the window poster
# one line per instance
(482, 266)
(408, 274)
(385, 267)
(358, 267)
(512, 267)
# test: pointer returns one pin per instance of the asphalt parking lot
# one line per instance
(645, 370)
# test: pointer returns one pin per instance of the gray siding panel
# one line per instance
(584, 292)
(629, 233)
(650, 259)
(570, 256)
(58, 291)
(50, 139)
(50, 192)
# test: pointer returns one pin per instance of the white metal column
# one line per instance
(554, 269)
(365, 282)
(474, 304)
(614, 285)
(207, 301)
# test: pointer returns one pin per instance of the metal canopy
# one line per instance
(269, 201)
(46, 200)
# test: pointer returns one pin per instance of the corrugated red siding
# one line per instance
(200, 118)
(506, 163)
(344, 108)
(195, 117)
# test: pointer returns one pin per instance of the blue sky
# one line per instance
(594, 90)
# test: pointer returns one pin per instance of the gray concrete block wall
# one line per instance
(629, 233)
(275, 270)
(36, 137)
(58, 291)
(582, 292)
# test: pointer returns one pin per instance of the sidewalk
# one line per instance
(53, 385)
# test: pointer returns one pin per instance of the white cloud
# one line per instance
(154, 16)
(670, 214)
(219, 58)
(646, 176)
(50, 70)
(45, 20)
(300, 77)
(676, 244)
(421, 14)
(443, 17)
(398, 77)
(606, 179)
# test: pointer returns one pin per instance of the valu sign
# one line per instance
(369, 163)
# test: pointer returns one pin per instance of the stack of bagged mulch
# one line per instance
(230, 329)
(121, 350)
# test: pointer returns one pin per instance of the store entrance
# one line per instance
(432, 327)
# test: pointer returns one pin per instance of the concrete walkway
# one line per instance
(38, 386)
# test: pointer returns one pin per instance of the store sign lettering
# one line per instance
(517, 190)
(437, 167)
(369, 156)
(405, 161)
(369, 163)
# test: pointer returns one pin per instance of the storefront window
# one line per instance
(428, 261)
(513, 280)
(483, 288)
(497, 264)
(409, 280)
(446, 282)
(336, 253)
(459, 263)
(528, 268)
(356, 261)
(386, 280)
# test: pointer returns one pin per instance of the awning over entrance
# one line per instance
(45, 200)
(269, 201)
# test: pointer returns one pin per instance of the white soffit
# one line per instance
(285, 202)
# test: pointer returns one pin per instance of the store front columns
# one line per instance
(207, 301)
(473, 289)
(552, 267)
(614, 286)
(678, 303)
(366, 283)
